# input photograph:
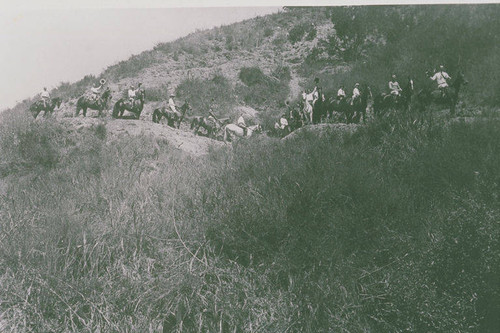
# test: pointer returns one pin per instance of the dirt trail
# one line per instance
(117, 128)
(295, 88)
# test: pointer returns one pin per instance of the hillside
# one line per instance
(391, 225)
(264, 61)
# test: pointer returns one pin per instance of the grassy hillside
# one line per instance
(392, 228)
(340, 45)
(389, 228)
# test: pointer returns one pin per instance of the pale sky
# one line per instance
(43, 47)
(45, 42)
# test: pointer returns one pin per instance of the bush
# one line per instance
(216, 93)
(27, 144)
(297, 33)
(157, 94)
(263, 91)
(252, 76)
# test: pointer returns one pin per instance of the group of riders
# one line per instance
(294, 116)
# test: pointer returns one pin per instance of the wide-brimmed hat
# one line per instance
(102, 81)
(357, 84)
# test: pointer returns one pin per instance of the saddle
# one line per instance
(245, 130)
(130, 104)
(391, 97)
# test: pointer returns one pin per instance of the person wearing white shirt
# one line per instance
(441, 78)
(45, 96)
(241, 123)
(341, 93)
(131, 94)
(394, 86)
(171, 103)
(355, 93)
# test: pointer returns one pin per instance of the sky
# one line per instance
(43, 47)
(44, 43)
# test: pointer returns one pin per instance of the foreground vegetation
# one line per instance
(392, 228)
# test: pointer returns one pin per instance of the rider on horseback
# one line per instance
(394, 87)
(171, 104)
(355, 93)
(316, 91)
(45, 96)
(131, 94)
(341, 93)
(96, 89)
(282, 124)
(440, 77)
(241, 123)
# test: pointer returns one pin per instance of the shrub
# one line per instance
(252, 76)
(263, 91)
(27, 144)
(216, 93)
(297, 33)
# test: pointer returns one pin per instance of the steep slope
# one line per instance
(287, 50)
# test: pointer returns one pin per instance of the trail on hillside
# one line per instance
(295, 87)
(119, 128)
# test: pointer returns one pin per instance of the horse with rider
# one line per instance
(174, 117)
(134, 102)
(45, 103)
(240, 129)
(445, 94)
(94, 99)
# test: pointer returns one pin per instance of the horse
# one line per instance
(384, 102)
(354, 109)
(86, 102)
(448, 98)
(233, 131)
(49, 107)
(172, 117)
(211, 125)
(135, 106)
(319, 111)
(295, 120)
(340, 106)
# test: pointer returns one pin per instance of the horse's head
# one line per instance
(459, 80)
(185, 107)
(57, 102)
(256, 128)
(106, 94)
(141, 95)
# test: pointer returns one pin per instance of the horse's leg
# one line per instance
(453, 105)
(84, 111)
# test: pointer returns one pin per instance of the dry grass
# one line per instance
(391, 228)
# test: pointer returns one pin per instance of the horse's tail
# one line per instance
(195, 123)
(181, 118)
(156, 116)
(79, 105)
(33, 110)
